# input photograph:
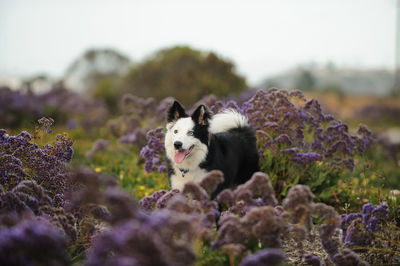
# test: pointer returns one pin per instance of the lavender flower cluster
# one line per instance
(241, 222)
(153, 152)
(358, 227)
(32, 242)
(34, 227)
(287, 123)
(23, 106)
(48, 213)
(22, 160)
(372, 230)
(139, 115)
(17, 107)
(121, 233)
(83, 214)
(75, 108)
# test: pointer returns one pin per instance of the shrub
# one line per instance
(183, 73)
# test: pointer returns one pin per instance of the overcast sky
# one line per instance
(260, 37)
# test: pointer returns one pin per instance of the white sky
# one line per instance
(261, 37)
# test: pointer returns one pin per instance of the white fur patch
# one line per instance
(178, 181)
(180, 131)
(226, 120)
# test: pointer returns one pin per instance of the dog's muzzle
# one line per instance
(178, 145)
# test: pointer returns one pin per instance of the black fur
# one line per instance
(170, 171)
(234, 153)
(201, 124)
(201, 115)
(175, 112)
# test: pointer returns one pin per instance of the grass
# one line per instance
(119, 160)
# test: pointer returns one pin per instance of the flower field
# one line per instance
(84, 187)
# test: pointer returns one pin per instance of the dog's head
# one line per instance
(187, 136)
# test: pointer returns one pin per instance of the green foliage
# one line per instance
(284, 174)
(211, 257)
(185, 74)
(119, 160)
(56, 113)
(370, 180)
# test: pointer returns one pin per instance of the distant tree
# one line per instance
(98, 72)
(185, 74)
(305, 80)
(97, 64)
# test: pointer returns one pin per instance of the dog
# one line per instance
(202, 142)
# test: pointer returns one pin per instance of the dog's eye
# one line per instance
(190, 133)
(175, 131)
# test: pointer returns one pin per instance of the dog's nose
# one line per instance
(178, 144)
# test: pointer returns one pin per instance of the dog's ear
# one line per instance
(175, 112)
(201, 115)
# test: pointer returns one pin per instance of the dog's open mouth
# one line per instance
(181, 154)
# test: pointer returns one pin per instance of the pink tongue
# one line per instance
(179, 156)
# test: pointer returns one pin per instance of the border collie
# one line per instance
(200, 143)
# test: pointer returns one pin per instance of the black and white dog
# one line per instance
(200, 143)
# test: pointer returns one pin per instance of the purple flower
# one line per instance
(144, 151)
(373, 224)
(283, 139)
(346, 221)
(381, 211)
(327, 118)
(25, 135)
(339, 146)
(348, 258)
(297, 93)
(211, 181)
(349, 163)
(153, 152)
(367, 212)
(307, 158)
(290, 151)
(32, 242)
(317, 146)
(357, 235)
(162, 168)
(330, 246)
(226, 198)
(312, 260)
(367, 135)
(146, 203)
(271, 256)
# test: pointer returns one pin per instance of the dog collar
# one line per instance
(183, 171)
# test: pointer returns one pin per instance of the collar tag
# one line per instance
(183, 171)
